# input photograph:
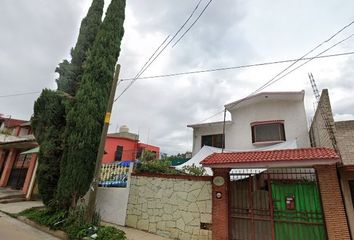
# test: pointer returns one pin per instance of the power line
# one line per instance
(309, 52)
(141, 71)
(309, 60)
(234, 67)
(153, 57)
(201, 13)
(146, 65)
(267, 84)
(18, 94)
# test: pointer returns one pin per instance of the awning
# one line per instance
(33, 150)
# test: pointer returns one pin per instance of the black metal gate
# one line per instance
(19, 172)
(282, 204)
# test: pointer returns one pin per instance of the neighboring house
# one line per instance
(325, 132)
(18, 155)
(258, 121)
(124, 146)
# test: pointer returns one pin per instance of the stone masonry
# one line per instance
(170, 207)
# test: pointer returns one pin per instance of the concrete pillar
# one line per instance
(220, 204)
(332, 203)
(30, 173)
(8, 167)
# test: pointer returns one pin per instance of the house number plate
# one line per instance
(218, 181)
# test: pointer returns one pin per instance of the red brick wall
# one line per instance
(220, 210)
(332, 203)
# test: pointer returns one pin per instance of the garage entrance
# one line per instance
(278, 203)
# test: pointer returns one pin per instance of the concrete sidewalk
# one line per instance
(17, 207)
(132, 234)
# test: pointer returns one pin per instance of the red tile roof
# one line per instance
(255, 157)
(11, 122)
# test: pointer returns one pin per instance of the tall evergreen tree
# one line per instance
(71, 73)
(50, 109)
(85, 119)
(48, 125)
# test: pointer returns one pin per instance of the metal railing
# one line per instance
(114, 175)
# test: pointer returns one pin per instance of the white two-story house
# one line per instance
(257, 122)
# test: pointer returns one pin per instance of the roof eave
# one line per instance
(272, 164)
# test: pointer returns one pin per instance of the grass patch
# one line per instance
(73, 223)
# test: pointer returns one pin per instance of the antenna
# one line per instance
(323, 111)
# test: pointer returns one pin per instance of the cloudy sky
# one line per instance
(36, 35)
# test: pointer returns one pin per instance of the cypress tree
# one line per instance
(49, 119)
(70, 73)
(85, 119)
(48, 126)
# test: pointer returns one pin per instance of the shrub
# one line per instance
(110, 233)
(194, 170)
(155, 166)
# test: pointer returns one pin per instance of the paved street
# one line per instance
(11, 229)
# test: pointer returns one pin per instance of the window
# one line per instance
(272, 131)
(351, 187)
(212, 140)
(119, 153)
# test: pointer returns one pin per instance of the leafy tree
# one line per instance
(49, 119)
(85, 119)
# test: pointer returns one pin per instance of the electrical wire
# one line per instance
(201, 13)
(309, 60)
(141, 71)
(234, 67)
(153, 57)
(18, 94)
(215, 69)
(309, 52)
(267, 84)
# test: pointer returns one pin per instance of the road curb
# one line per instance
(56, 233)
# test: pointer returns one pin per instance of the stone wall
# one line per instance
(175, 207)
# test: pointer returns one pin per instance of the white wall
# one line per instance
(198, 132)
(239, 136)
(112, 204)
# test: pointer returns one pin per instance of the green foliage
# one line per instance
(46, 217)
(51, 107)
(72, 222)
(147, 156)
(48, 124)
(85, 119)
(110, 233)
(71, 73)
(156, 166)
(194, 170)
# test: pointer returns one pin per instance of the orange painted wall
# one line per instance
(130, 148)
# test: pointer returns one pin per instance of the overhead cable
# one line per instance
(233, 67)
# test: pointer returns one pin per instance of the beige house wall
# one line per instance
(170, 207)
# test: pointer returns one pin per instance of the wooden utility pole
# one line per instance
(94, 185)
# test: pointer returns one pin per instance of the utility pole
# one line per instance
(94, 185)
